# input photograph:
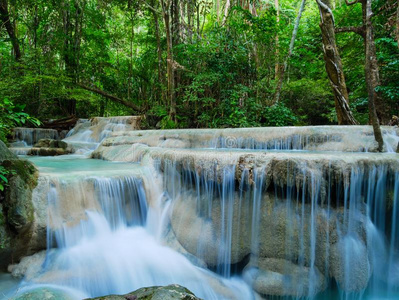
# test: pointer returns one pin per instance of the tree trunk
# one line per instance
(217, 9)
(372, 73)
(291, 49)
(397, 26)
(372, 79)
(171, 74)
(111, 97)
(159, 52)
(334, 65)
(277, 65)
(226, 11)
(5, 18)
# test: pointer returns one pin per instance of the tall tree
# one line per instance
(372, 73)
(291, 49)
(166, 9)
(277, 65)
(333, 64)
(5, 18)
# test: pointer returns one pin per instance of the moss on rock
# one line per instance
(16, 208)
(170, 292)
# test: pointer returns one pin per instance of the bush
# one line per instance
(278, 115)
(13, 116)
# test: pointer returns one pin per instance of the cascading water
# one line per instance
(297, 235)
(100, 221)
(25, 138)
(231, 222)
(88, 134)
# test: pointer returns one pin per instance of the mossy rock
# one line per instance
(51, 143)
(170, 292)
(16, 207)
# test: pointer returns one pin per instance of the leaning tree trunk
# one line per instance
(291, 49)
(5, 19)
(334, 65)
(372, 74)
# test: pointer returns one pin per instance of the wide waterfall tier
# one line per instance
(87, 134)
(310, 138)
(291, 222)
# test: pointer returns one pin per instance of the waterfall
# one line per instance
(304, 229)
(101, 238)
(88, 134)
(217, 213)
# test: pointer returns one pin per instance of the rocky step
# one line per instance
(315, 138)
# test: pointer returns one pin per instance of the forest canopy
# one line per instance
(198, 63)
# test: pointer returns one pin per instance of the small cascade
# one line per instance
(88, 134)
(25, 138)
(30, 136)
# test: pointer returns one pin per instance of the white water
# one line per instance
(88, 134)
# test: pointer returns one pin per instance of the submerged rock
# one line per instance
(29, 267)
(279, 277)
(44, 294)
(170, 292)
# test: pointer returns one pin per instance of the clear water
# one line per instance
(8, 285)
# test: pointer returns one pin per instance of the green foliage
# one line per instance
(4, 174)
(310, 99)
(12, 115)
(279, 115)
(227, 66)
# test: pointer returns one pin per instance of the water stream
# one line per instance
(310, 225)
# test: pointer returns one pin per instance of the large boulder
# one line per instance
(279, 277)
(170, 292)
(350, 265)
(16, 207)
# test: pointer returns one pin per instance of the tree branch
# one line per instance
(111, 97)
(356, 29)
(351, 3)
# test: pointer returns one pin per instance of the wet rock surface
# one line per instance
(49, 147)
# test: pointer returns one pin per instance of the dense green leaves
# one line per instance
(225, 69)
(13, 115)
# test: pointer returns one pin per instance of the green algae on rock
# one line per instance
(170, 292)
